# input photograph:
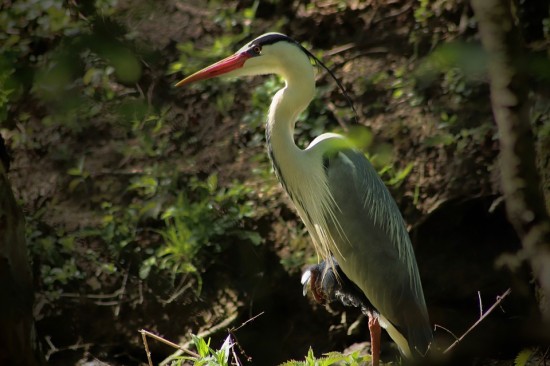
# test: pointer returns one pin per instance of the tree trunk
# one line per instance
(18, 343)
(519, 176)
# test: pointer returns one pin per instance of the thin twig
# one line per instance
(165, 341)
(480, 304)
(180, 289)
(483, 316)
(207, 333)
(122, 292)
(100, 297)
(117, 293)
(339, 49)
(543, 358)
(232, 333)
(395, 13)
(246, 322)
(144, 338)
(235, 356)
(445, 329)
(331, 107)
(53, 349)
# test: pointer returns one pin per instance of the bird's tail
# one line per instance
(413, 343)
(419, 339)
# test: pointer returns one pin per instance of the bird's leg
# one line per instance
(328, 286)
(375, 332)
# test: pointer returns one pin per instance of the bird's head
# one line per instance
(268, 54)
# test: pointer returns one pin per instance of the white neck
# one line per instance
(300, 171)
(287, 104)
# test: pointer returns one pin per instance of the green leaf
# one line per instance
(401, 175)
(146, 266)
(89, 75)
(443, 139)
(74, 183)
(523, 357)
(212, 183)
(397, 93)
(202, 346)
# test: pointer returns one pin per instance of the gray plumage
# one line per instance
(375, 252)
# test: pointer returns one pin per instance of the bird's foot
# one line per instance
(311, 279)
(329, 283)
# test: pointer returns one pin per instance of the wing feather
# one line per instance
(376, 252)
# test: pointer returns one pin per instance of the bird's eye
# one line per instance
(257, 50)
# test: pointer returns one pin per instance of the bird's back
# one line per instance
(373, 248)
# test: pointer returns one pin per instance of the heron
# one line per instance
(355, 225)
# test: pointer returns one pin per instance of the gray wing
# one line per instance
(374, 248)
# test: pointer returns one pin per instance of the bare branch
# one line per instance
(144, 338)
(446, 330)
(165, 341)
(207, 333)
(248, 321)
(480, 304)
(483, 316)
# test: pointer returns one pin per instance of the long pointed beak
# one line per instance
(224, 66)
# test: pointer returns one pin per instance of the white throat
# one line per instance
(300, 171)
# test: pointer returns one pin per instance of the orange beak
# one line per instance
(224, 66)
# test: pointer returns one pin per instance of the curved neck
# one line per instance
(287, 104)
